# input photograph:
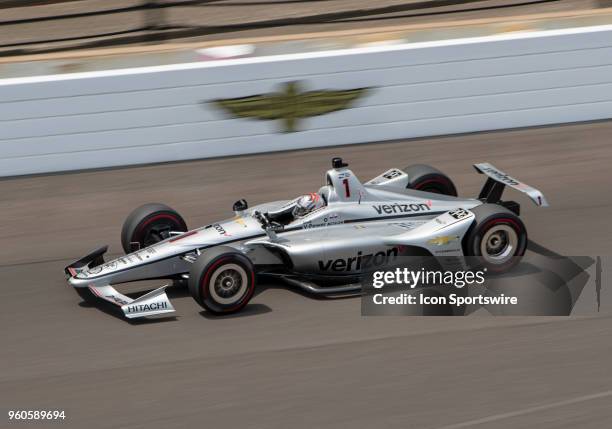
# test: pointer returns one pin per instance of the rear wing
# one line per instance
(497, 180)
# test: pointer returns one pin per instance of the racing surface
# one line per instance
(288, 360)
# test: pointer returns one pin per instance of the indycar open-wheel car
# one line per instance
(322, 242)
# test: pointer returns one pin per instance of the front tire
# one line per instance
(222, 280)
(426, 178)
(150, 224)
(498, 239)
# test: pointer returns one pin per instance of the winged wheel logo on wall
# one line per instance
(290, 104)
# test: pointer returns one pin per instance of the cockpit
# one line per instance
(297, 208)
(341, 186)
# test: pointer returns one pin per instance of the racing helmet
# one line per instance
(306, 203)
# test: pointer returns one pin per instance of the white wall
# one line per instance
(154, 114)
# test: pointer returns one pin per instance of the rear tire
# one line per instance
(222, 280)
(422, 177)
(498, 238)
(150, 224)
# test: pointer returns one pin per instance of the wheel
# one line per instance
(150, 224)
(498, 238)
(222, 280)
(425, 178)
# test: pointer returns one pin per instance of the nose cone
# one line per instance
(78, 282)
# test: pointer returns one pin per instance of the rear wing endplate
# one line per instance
(492, 190)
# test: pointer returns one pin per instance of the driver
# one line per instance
(307, 203)
(299, 207)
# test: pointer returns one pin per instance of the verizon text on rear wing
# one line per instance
(497, 179)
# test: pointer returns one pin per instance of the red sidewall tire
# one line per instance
(423, 177)
(140, 222)
(158, 217)
(436, 184)
(202, 273)
(479, 231)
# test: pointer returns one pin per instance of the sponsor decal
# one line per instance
(459, 214)
(332, 220)
(140, 308)
(221, 230)
(402, 208)
(360, 261)
(439, 252)
(95, 270)
(443, 240)
(110, 265)
(407, 225)
(145, 253)
(240, 221)
(392, 174)
(290, 104)
(116, 299)
(503, 177)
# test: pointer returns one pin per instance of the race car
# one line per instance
(322, 242)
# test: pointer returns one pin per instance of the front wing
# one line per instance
(153, 303)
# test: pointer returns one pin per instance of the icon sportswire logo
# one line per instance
(290, 104)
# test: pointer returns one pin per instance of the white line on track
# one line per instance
(529, 410)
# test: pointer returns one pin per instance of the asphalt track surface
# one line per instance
(80, 24)
(288, 360)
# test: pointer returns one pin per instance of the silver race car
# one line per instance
(322, 242)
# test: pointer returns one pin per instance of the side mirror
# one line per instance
(240, 205)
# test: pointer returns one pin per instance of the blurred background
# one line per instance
(44, 26)
(290, 360)
(41, 37)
